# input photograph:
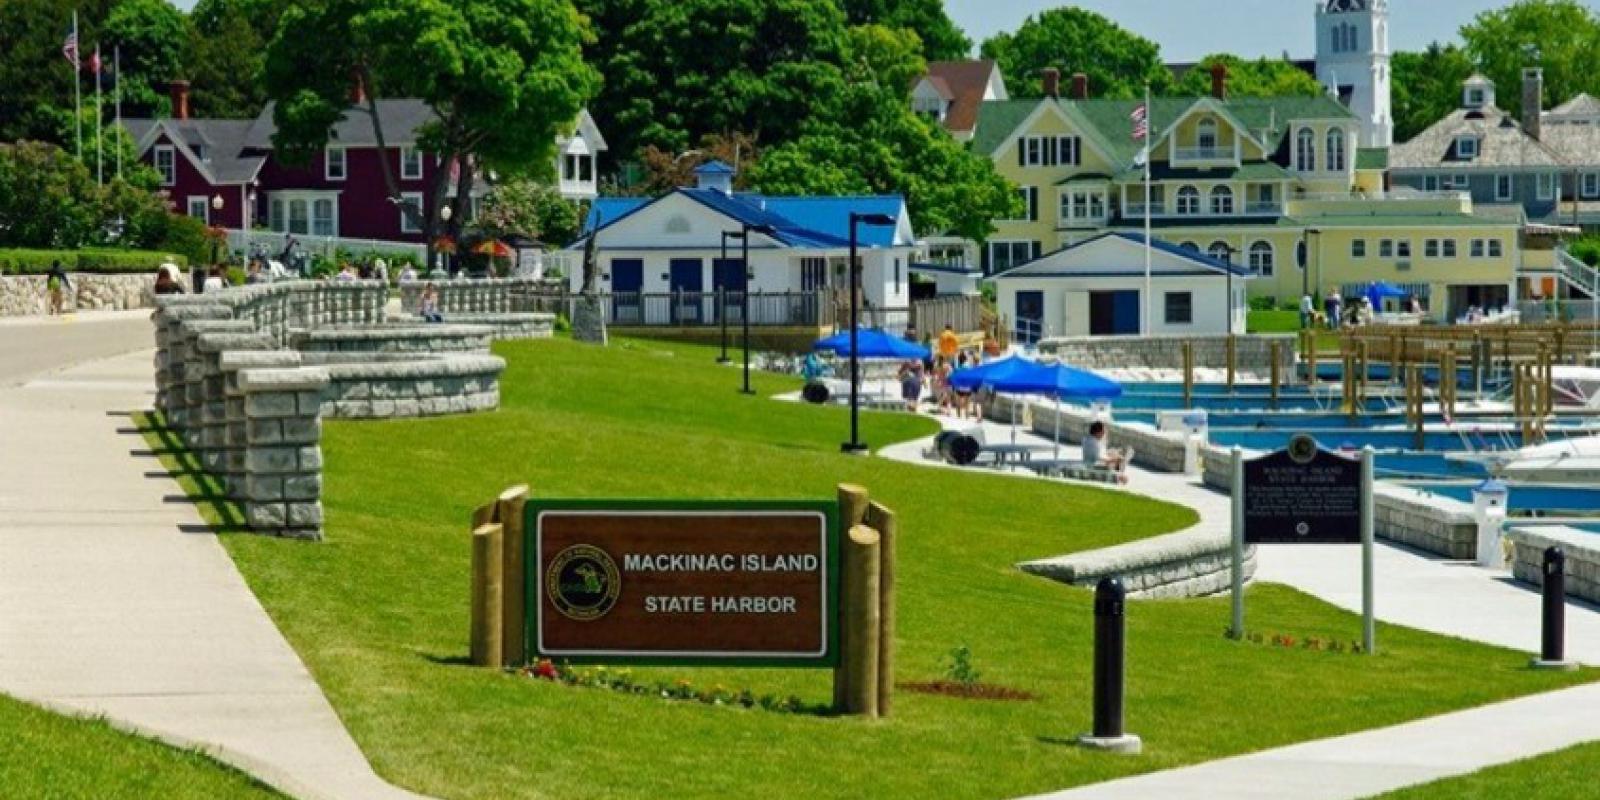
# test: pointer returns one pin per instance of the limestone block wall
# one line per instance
(413, 388)
(282, 487)
(1193, 563)
(1153, 449)
(1582, 552)
(28, 295)
(413, 339)
(478, 295)
(1253, 353)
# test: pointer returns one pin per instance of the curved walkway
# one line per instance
(117, 600)
(1413, 589)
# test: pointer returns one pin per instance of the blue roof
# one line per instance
(1192, 256)
(714, 167)
(807, 222)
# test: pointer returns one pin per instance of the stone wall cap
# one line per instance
(220, 341)
(1569, 539)
(295, 379)
(448, 366)
(383, 332)
(204, 326)
(1136, 556)
(246, 359)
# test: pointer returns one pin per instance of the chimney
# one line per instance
(1533, 102)
(358, 91)
(1219, 80)
(179, 91)
(1080, 86)
(1052, 82)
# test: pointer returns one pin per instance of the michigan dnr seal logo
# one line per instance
(582, 582)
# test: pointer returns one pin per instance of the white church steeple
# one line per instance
(1353, 62)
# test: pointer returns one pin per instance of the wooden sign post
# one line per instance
(1304, 495)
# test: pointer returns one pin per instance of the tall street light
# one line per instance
(855, 445)
(722, 293)
(1227, 255)
(216, 244)
(744, 264)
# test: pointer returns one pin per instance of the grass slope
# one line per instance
(49, 755)
(1563, 775)
(379, 610)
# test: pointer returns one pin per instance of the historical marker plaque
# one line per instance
(1302, 495)
(751, 583)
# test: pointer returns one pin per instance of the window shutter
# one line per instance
(1033, 204)
(1035, 250)
(1022, 151)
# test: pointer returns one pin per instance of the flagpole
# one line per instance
(77, 86)
(99, 126)
(116, 95)
(1149, 139)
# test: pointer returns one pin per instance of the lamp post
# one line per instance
(444, 216)
(1305, 268)
(1227, 255)
(744, 263)
(855, 445)
(722, 294)
(216, 244)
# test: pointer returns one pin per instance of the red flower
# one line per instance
(544, 669)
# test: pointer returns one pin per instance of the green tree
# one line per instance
(677, 70)
(502, 77)
(1562, 36)
(1119, 63)
(1426, 87)
(226, 53)
(942, 39)
(152, 35)
(49, 199)
(35, 79)
(1265, 77)
(531, 208)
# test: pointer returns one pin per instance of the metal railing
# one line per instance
(1263, 207)
(695, 309)
(1204, 153)
(273, 243)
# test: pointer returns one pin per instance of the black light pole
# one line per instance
(1229, 252)
(722, 297)
(744, 240)
(855, 445)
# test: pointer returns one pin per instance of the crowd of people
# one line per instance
(933, 375)
(1337, 313)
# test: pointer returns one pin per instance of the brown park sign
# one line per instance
(681, 582)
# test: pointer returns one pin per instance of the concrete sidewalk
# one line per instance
(116, 600)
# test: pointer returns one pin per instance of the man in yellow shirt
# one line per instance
(949, 345)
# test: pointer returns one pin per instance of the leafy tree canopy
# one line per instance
(1264, 77)
(49, 199)
(226, 54)
(35, 79)
(1119, 63)
(1562, 36)
(941, 39)
(1426, 87)
(530, 208)
(152, 35)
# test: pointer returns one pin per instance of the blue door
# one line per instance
(728, 277)
(1114, 313)
(686, 285)
(627, 280)
(1030, 317)
(1127, 314)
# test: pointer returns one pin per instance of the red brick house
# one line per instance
(224, 171)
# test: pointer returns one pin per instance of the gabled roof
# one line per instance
(714, 167)
(1582, 105)
(1264, 118)
(1201, 262)
(804, 222)
(400, 118)
(964, 84)
(214, 146)
(1501, 143)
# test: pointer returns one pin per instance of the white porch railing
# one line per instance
(274, 243)
(1204, 153)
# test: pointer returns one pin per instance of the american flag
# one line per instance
(69, 48)
(94, 61)
(1141, 122)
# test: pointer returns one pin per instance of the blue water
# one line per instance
(1527, 497)
(1304, 420)
(1138, 400)
(1357, 438)
(1334, 372)
(1425, 465)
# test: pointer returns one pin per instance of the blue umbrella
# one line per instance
(872, 343)
(1376, 291)
(1018, 375)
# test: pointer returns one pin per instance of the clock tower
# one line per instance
(1353, 63)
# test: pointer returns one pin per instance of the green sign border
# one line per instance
(829, 509)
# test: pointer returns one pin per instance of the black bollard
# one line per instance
(1110, 638)
(1553, 647)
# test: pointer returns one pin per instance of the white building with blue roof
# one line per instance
(661, 259)
(1096, 287)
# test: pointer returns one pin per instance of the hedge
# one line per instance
(37, 262)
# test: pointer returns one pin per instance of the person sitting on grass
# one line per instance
(1097, 456)
(428, 309)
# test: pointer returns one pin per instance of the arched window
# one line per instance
(1189, 200)
(1190, 246)
(1261, 258)
(1220, 251)
(1206, 134)
(1221, 200)
(1305, 151)
(1335, 157)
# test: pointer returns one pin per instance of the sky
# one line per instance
(1187, 30)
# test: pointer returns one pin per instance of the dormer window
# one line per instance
(1466, 147)
(932, 108)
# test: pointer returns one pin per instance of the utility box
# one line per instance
(1489, 500)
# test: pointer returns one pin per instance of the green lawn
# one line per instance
(1563, 775)
(49, 755)
(379, 610)
(1275, 321)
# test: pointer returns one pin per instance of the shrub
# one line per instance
(958, 666)
(188, 237)
(37, 262)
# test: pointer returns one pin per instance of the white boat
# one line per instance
(1576, 386)
(1565, 461)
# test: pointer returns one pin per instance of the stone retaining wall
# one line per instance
(1427, 522)
(480, 295)
(28, 295)
(1580, 547)
(1184, 564)
(246, 375)
(1252, 353)
(503, 326)
(1152, 449)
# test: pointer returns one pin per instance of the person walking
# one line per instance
(1308, 311)
(57, 284)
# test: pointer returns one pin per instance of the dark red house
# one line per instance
(224, 171)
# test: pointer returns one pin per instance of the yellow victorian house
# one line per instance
(1276, 185)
